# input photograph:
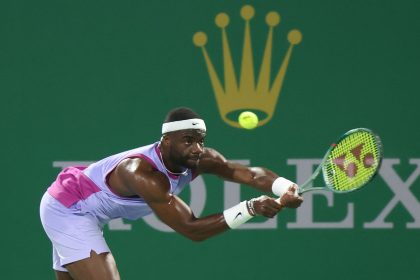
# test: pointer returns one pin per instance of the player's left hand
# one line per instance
(266, 206)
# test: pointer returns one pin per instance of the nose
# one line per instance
(197, 148)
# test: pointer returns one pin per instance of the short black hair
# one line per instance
(180, 114)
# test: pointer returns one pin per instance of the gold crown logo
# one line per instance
(261, 98)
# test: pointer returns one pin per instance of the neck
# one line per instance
(178, 171)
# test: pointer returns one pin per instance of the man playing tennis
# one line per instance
(135, 183)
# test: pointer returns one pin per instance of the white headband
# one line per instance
(184, 124)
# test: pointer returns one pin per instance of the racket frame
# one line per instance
(305, 187)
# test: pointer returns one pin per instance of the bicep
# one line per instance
(141, 179)
(154, 188)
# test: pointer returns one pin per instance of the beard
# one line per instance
(191, 163)
(188, 162)
(183, 160)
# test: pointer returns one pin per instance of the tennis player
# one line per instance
(148, 179)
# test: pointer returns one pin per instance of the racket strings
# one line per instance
(353, 161)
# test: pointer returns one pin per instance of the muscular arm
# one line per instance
(213, 162)
(138, 176)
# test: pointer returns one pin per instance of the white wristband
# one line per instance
(237, 215)
(281, 186)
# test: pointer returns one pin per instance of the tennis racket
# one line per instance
(349, 164)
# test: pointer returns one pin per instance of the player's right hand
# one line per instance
(291, 199)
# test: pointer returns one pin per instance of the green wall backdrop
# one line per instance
(80, 80)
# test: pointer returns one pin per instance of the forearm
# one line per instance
(203, 228)
(237, 215)
(179, 216)
(257, 177)
(262, 179)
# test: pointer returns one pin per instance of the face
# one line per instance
(185, 147)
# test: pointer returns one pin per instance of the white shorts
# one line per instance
(73, 234)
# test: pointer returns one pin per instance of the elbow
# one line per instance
(195, 234)
(195, 237)
(198, 230)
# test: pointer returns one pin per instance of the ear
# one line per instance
(165, 140)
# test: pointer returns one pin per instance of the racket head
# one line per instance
(353, 161)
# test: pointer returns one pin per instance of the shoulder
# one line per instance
(210, 160)
(210, 153)
(142, 178)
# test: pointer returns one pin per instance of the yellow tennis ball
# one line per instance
(248, 120)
